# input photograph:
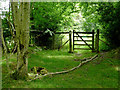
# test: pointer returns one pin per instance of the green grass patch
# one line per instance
(99, 73)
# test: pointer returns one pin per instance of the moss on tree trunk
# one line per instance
(21, 21)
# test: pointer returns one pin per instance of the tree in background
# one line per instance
(104, 16)
(49, 17)
(110, 17)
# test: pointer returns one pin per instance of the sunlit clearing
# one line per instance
(117, 68)
(59, 56)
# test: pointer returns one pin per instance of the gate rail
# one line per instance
(81, 39)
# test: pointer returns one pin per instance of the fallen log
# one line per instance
(81, 59)
(55, 73)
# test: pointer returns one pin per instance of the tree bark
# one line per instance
(21, 22)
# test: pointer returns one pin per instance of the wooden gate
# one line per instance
(81, 39)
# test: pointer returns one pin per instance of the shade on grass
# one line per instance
(99, 73)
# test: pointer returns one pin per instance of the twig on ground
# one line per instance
(81, 59)
(55, 73)
(38, 48)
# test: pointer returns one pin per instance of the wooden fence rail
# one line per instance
(79, 37)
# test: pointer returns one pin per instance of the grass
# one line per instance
(100, 73)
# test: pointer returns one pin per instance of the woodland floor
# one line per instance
(99, 73)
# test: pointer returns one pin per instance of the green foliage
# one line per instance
(49, 17)
(50, 32)
(46, 15)
(110, 17)
(103, 47)
(7, 34)
(90, 15)
(104, 16)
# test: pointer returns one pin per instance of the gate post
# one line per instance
(92, 40)
(97, 41)
(53, 41)
(70, 42)
(73, 39)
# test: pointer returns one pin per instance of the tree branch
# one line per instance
(62, 72)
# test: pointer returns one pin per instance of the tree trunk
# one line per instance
(0, 37)
(4, 46)
(21, 22)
